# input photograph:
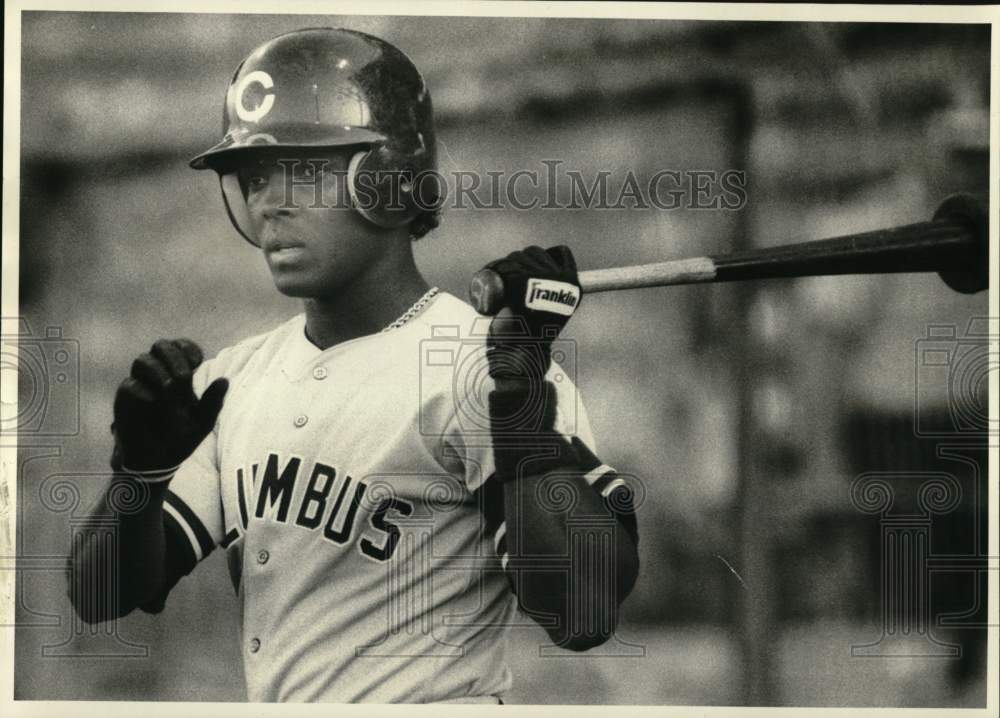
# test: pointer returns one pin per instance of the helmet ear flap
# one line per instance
(361, 201)
(380, 191)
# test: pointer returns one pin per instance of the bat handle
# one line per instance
(486, 292)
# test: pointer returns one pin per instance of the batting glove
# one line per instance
(159, 421)
(541, 292)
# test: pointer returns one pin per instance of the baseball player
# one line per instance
(389, 474)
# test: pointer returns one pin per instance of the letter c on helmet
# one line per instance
(262, 78)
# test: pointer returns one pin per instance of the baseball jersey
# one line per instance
(347, 487)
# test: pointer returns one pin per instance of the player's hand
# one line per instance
(159, 421)
(541, 292)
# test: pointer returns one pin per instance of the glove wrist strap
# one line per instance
(150, 476)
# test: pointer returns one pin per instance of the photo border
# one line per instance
(637, 10)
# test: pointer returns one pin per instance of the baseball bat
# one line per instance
(954, 244)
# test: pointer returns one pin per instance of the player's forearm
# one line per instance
(119, 563)
(124, 561)
(555, 557)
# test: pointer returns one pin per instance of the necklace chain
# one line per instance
(412, 311)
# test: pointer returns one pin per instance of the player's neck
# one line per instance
(376, 298)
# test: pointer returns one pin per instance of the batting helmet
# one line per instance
(326, 87)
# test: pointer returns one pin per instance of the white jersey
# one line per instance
(345, 486)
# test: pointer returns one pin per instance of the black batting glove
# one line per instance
(541, 292)
(159, 421)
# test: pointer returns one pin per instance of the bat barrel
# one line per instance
(975, 275)
(948, 245)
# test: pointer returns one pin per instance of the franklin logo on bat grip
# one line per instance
(547, 295)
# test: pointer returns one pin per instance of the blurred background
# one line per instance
(813, 527)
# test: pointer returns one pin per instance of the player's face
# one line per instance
(299, 208)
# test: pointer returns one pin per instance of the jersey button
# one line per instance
(263, 556)
(320, 372)
(301, 420)
(254, 645)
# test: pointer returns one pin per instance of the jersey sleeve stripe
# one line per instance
(501, 532)
(501, 547)
(195, 547)
(616, 484)
(151, 477)
(181, 538)
(610, 479)
(229, 538)
(594, 474)
(201, 540)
